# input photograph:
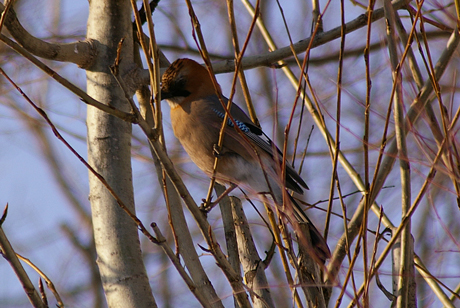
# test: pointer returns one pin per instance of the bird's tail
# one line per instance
(318, 242)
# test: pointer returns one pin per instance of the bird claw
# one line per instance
(216, 150)
(207, 206)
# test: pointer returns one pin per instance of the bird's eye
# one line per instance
(181, 82)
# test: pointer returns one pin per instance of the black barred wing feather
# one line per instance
(259, 138)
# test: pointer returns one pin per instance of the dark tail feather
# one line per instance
(319, 243)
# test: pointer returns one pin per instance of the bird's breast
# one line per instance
(196, 136)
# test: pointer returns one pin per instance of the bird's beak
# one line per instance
(164, 95)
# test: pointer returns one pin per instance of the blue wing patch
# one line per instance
(240, 124)
(265, 144)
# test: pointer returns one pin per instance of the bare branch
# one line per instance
(67, 84)
(8, 253)
(48, 281)
(176, 262)
(254, 268)
(81, 53)
(268, 59)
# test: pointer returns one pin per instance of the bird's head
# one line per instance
(185, 80)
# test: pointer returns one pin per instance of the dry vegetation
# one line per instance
(371, 123)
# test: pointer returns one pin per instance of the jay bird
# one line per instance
(248, 158)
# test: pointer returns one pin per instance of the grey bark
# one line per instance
(119, 258)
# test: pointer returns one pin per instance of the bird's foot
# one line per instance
(216, 151)
(207, 206)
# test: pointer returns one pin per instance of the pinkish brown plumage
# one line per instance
(248, 159)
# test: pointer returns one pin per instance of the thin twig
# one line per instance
(48, 281)
(411, 117)
(5, 213)
(42, 292)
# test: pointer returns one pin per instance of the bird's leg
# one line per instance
(209, 206)
(216, 150)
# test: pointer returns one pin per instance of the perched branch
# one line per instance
(254, 268)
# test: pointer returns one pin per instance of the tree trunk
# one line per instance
(119, 258)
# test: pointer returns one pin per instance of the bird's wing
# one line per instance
(260, 139)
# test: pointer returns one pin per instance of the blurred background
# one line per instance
(46, 187)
